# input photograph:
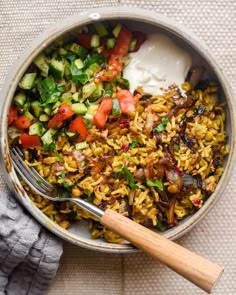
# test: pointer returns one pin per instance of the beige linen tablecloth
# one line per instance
(86, 272)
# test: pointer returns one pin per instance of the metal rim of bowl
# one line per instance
(50, 35)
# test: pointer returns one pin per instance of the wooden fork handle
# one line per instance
(194, 268)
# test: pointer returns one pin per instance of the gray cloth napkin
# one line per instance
(29, 255)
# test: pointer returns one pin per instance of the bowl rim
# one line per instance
(51, 34)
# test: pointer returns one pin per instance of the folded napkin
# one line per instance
(29, 255)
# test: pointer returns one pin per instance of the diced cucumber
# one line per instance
(95, 40)
(99, 49)
(47, 137)
(81, 145)
(74, 47)
(101, 29)
(110, 43)
(29, 115)
(36, 108)
(57, 68)
(47, 110)
(70, 134)
(116, 30)
(67, 72)
(28, 81)
(44, 118)
(79, 108)
(20, 99)
(98, 91)
(36, 129)
(75, 96)
(66, 95)
(116, 107)
(41, 62)
(62, 51)
(88, 89)
(79, 63)
(92, 108)
(132, 44)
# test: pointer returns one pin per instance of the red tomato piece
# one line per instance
(102, 113)
(84, 39)
(12, 115)
(140, 37)
(77, 125)
(121, 47)
(126, 101)
(30, 140)
(22, 122)
(64, 112)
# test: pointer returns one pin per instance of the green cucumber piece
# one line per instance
(20, 99)
(95, 40)
(44, 118)
(47, 137)
(79, 63)
(41, 62)
(36, 129)
(36, 108)
(79, 108)
(29, 115)
(75, 96)
(81, 145)
(132, 44)
(110, 43)
(28, 81)
(92, 108)
(116, 107)
(88, 89)
(116, 30)
(47, 110)
(100, 29)
(57, 68)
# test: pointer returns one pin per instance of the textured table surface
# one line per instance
(87, 272)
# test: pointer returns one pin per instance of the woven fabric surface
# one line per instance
(88, 272)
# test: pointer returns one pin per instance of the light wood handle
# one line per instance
(194, 268)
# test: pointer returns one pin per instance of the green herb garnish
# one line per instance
(48, 91)
(162, 126)
(133, 143)
(87, 123)
(157, 183)
(128, 176)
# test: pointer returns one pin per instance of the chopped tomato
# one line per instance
(126, 101)
(140, 37)
(12, 115)
(102, 113)
(121, 47)
(64, 112)
(84, 39)
(77, 125)
(115, 63)
(22, 122)
(29, 140)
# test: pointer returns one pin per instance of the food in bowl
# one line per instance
(84, 125)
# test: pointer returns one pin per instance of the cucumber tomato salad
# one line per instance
(73, 86)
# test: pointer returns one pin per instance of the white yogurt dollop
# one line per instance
(158, 64)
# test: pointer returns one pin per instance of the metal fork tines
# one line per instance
(42, 187)
(30, 175)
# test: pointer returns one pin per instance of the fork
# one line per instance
(193, 267)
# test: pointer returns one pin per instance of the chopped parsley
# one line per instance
(128, 175)
(162, 126)
(157, 183)
(133, 143)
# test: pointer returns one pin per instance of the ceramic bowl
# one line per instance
(138, 19)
